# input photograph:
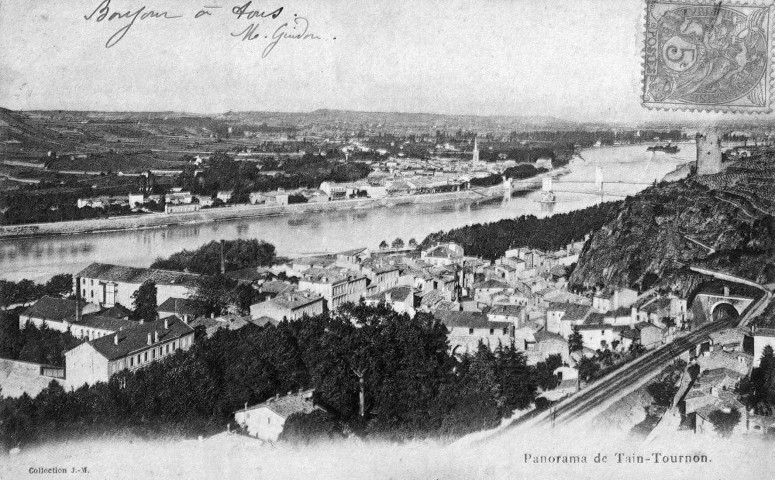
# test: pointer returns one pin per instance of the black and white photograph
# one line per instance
(387, 239)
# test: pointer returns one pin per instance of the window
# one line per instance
(131, 361)
(492, 331)
(154, 353)
(470, 331)
(145, 357)
(83, 292)
(505, 330)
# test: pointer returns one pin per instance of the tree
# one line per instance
(763, 378)
(663, 391)
(478, 403)
(724, 422)
(398, 243)
(217, 293)
(588, 368)
(238, 254)
(575, 340)
(412, 243)
(383, 245)
(516, 383)
(60, 285)
(306, 428)
(144, 302)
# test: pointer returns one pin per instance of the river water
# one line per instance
(300, 234)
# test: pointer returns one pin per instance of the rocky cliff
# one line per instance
(658, 233)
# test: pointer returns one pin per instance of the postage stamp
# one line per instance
(707, 56)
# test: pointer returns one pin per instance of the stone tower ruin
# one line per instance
(708, 153)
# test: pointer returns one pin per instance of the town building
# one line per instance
(443, 254)
(336, 287)
(612, 299)
(290, 306)
(108, 285)
(87, 322)
(402, 299)
(467, 329)
(266, 420)
(97, 360)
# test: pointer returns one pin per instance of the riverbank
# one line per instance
(232, 212)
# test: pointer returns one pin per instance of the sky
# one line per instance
(576, 60)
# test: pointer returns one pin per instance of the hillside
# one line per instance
(661, 231)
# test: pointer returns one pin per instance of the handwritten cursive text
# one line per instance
(103, 13)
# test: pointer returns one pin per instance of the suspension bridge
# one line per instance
(550, 186)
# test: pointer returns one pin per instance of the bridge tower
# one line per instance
(547, 195)
(599, 179)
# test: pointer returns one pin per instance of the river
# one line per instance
(295, 235)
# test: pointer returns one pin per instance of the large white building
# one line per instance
(97, 360)
(107, 285)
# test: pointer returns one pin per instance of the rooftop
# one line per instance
(505, 309)
(102, 322)
(287, 405)
(468, 320)
(120, 273)
(573, 311)
(181, 306)
(51, 308)
(491, 284)
(136, 339)
(294, 300)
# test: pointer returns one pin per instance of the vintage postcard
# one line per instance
(387, 239)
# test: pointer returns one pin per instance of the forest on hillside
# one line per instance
(491, 240)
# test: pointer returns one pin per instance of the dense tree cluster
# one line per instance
(378, 373)
(25, 291)
(238, 254)
(760, 389)
(491, 240)
(32, 344)
(222, 172)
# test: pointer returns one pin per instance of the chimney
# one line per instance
(149, 338)
(223, 259)
(166, 323)
(156, 336)
(115, 340)
(726, 290)
(142, 321)
(77, 282)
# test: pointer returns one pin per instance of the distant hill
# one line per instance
(17, 126)
(424, 121)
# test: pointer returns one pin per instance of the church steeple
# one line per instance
(475, 159)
